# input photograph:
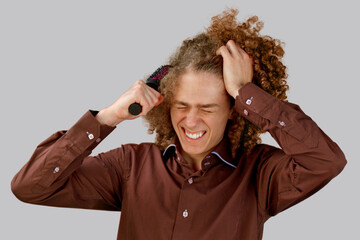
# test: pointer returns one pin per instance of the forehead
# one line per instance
(196, 87)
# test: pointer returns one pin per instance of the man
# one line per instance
(206, 176)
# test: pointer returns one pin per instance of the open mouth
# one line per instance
(194, 135)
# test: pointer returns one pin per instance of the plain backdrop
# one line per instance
(60, 58)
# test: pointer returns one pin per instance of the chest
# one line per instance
(218, 201)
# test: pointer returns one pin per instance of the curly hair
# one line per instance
(199, 54)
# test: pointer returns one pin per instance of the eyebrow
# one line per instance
(209, 105)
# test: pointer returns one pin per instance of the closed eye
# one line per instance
(207, 110)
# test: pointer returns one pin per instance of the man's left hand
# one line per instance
(238, 67)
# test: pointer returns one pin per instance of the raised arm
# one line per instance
(61, 173)
(308, 158)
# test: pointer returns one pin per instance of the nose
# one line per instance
(192, 119)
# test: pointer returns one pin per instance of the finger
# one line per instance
(224, 52)
(152, 98)
(147, 96)
(242, 52)
(158, 98)
(140, 94)
(154, 92)
(233, 48)
(154, 95)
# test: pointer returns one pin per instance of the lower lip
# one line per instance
(190, 139)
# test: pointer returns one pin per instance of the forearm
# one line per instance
(106, 117)
(56, 158)
(308, 158)
(294, 131)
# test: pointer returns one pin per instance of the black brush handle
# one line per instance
(153, 81)
(135, 109)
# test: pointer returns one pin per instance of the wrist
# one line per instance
(235, 91)
(106, 117)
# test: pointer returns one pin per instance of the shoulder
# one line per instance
(262, 152)
(260, 149)
(141, 148)
(142, 157)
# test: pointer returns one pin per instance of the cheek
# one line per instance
(219, 124)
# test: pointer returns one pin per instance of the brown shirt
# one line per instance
(161, 197)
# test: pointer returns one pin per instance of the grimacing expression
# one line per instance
(199, 112)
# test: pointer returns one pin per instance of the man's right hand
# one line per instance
(141, 93)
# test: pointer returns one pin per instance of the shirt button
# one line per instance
(90, 135)
(206, 163)
(98, 140)
(249, 101)
(282, 123)
(246, 112)
(190, 180)
(185, 213)
(57, 169)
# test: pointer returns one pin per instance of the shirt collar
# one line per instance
(169, 149)
(221, 151)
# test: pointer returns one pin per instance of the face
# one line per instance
(199, 112)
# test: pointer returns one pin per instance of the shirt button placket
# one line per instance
(183, 222)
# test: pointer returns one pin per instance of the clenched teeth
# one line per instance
(194, 136)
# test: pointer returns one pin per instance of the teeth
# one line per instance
(194, 136)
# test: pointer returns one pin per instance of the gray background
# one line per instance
(60, 58)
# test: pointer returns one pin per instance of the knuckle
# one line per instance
(157, 94)
(139, 83)
(138, 86)
(230, 42)
(137, 89)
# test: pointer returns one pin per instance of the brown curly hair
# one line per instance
(199, 54)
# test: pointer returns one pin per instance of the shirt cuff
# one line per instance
(68, 146)
(253, 103)
(274, 115)
(87, 132)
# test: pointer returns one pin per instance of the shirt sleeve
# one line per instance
(61, 173)
(308, 158)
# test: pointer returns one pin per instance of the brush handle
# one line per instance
(135, 109)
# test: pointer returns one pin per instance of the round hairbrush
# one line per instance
(153, 81)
